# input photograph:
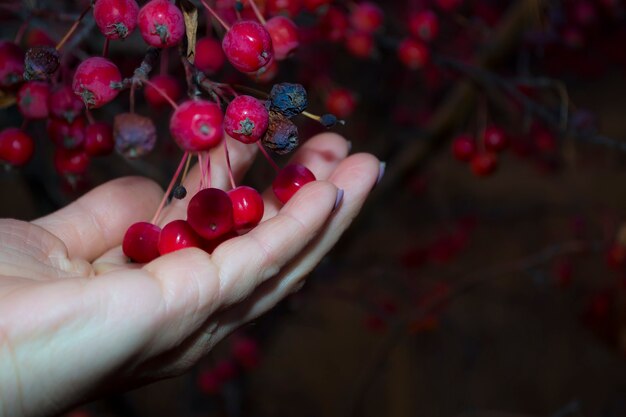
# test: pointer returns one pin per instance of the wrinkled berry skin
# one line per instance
(196, 125)
(116, 19)
(246, 119)
(288, 99)
(41, 62)
(282, 134)
(16, 147)
(248, 46)
(134, 135)
(94, 81)
(11, 63)
(161, 24)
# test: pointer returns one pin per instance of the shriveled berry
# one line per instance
(41, 62)
(71, 161)
(288, 99)
(95, 81)
(463, 148)
(210, 213)
(141, 242)
(495, 139)
(16, 147)
(281, 135)
(246, 119)
(32, 99)
(99, 139)
(413, 53)
(209, 56)
(284, 34)
(366, 17)
(328, 120)
(424, 25)
(197, 125)
(289, 180)
(67, 135)
(341, 102)
(247, 46)
(177, 235)
(161, 23)
(179, 192)
(170, 86)
(134, 135)
(11, 63)
(64, 104)
(248, 207)
(116, 19)
(484, 164)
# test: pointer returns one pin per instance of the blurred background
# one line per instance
(485, 275)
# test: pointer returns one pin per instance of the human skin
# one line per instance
(77, 321)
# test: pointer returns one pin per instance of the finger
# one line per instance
(98, 220)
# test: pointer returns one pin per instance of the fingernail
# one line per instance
(339, 199)
(349, 146)
(381, 171)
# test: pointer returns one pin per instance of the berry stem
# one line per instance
(72, 29)
(250, 90)
(230, 170)
(105, 48)
(21, 31)
(186, 170)
(132, 97)
(311, 116)
(90, 118)
(208, 169)
(201, 165)
(160, 91)
(268, 157)
(215, 15)
(170, 187)
(257, 12)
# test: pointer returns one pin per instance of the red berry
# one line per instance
(413, 54)
(341, 102)
(209, 382)
(209, 245)
(64, 104)
(209, 55)
(544, 139)
(169, 84)
(334, 24)
(495, 139)
(116, 19)
(141, 242)
(316, 5)
(210, 213)
(196, 125)
(177, 235)
(284, 34)
(65, 134)
(484, 164)
(32, 99)
(463, 148)
(246, 119)
(99, 139)
(289, 180)
(366, 17)
(11, 63)
(71, 162)
(225, 370)
(247, 45)
(246, 351)
(265, 74)
(360, 44)
(94, 81)
(37, 37)
(424, 25)
(161, 23)
(16, 147)
(289, 8)
(247, 207)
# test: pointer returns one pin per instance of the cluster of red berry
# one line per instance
(481, 154)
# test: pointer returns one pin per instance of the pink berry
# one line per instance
(196, 125)
(141, 242)
(484, 164)
(94, 81)
(247, 45)
(366, 17)
(11, 63)
(289, 8)
(284, 34)
(289, 180)
(16, 147)
(71, 162)
(116, 19)
(210, 213)
(341, 102)
(99, 139)
(424, 25)
(360, 44)
(413, 54)
(248, 207)
(209, 55)
(169, 84)
(334, 24)
(32, 99)
(64, 104)
(161, 23)
(463, 148)
(177, 235)
(495, 139)
(246, 119)
(64, 134)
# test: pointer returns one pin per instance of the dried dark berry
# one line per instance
(288, 99)
(328, 120)
(281, 135)
(239, 6)
(134, 135)
(180, 192)
(40, 63)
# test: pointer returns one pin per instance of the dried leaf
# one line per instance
(6, 100)
(190, 14)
